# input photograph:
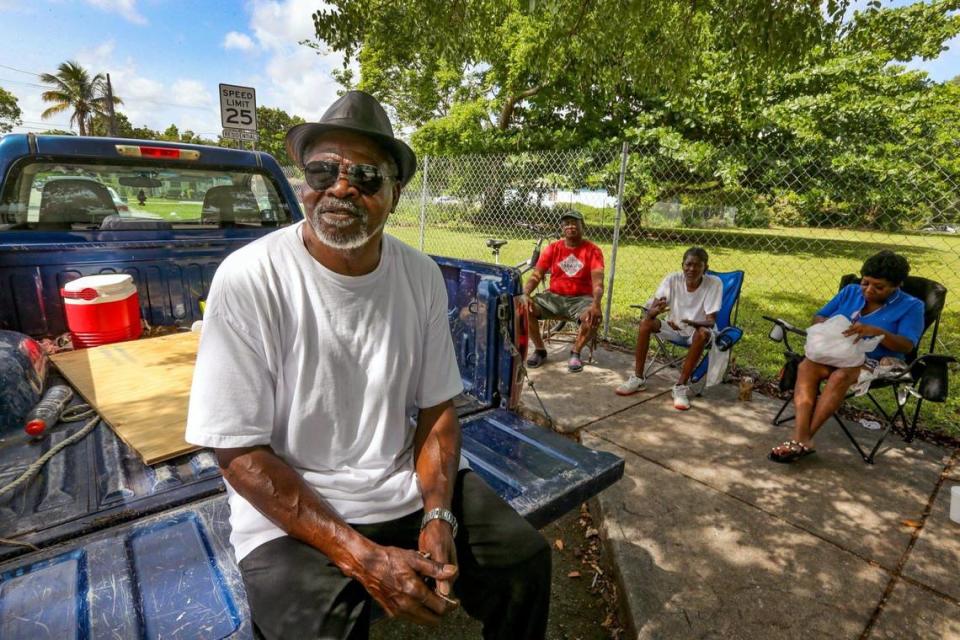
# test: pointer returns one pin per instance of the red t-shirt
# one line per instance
(570, 267)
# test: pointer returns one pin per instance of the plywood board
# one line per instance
(141, 389)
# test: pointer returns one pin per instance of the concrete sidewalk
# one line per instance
(714, 541)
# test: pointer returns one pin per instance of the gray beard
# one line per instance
(339, 237)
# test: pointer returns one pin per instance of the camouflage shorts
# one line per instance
(553, 306)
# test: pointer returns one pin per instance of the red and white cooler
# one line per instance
(102, 309)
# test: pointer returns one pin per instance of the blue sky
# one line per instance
(166, 57)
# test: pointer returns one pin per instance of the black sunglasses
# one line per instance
(367, 178)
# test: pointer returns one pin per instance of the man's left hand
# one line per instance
(436, 539)
(592, 316)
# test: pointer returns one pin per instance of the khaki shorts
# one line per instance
(553, 306)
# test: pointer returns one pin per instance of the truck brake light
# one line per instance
(161, 153)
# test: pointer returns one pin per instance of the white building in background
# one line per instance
(599, 199)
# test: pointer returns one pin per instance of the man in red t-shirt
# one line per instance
(575, 266)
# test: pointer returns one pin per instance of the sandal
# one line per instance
(537, 359)
(793, 451)
(574, 365)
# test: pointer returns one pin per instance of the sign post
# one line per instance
(238, 112)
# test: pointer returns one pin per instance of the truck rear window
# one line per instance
(75, 196)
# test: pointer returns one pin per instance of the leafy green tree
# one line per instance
(518, 74)
(272, 127)
(849, 138)
(74, 89)
(171, 133)
(9, 111)
(100, 126)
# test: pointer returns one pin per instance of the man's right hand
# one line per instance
(527, 301)
(658, 306)
(394, 577)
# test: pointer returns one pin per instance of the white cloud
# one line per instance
(279, 24)
(191, 93)
(16, 6)
(126, 8)
(240, 41)
(186, 102)
(98, 56)
(297, 79)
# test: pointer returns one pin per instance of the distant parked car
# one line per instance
(940, 228)
(446, 200)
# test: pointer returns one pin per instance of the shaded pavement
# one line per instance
(711, 540)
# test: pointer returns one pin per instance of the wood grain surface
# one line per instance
(141, 389)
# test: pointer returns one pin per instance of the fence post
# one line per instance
(423, 200)
(616, 239)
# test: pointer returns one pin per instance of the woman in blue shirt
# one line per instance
(876, 307)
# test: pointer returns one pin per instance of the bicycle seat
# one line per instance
(495, 244)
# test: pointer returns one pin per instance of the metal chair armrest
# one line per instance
(786, 326)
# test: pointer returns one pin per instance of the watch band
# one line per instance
(440, 514)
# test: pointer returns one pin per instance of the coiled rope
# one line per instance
(73, 413)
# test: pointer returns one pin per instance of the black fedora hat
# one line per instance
(361, 113)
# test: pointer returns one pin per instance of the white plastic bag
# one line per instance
(827, 345)
(717, 363)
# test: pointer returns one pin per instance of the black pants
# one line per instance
(295, 591)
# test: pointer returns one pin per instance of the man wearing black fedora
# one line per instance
(320, 341)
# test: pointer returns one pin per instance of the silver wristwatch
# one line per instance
(440, 514)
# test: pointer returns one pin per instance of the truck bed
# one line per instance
(172, 574)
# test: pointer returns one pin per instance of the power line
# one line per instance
(50, 124)
(29, 73)
(48, 128)
(29, 84)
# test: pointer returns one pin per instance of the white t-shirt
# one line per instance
(690, 305)
(326, 369)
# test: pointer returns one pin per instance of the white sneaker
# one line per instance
(681, 400)
(633, 384)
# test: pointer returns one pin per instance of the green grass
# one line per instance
(172, 210)
(790, 273)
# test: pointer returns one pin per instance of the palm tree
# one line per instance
(73, 88)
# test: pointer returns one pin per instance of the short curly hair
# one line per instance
(888, 266)
(698, 252)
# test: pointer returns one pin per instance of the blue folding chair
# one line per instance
(672, 353)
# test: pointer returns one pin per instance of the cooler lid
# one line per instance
(106, 284)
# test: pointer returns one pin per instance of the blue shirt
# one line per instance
(901, 314)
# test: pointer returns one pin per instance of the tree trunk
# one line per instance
(506, 113)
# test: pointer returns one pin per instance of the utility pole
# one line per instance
(113, 119)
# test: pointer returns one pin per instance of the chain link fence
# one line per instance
(794, 219)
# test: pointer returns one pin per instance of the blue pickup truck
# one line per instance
(100, 545)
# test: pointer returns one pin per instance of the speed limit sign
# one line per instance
(238, 107)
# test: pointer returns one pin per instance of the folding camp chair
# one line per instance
(925, 379)
(672, 353)
(567, 331)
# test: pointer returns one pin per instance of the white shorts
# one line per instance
(668, 333)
